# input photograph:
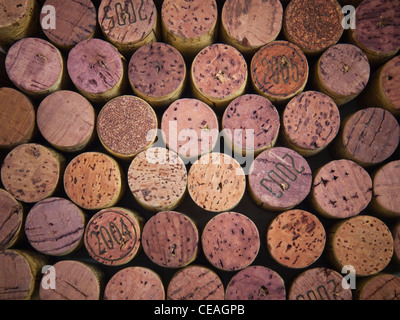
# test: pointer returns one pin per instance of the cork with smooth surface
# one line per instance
(296, 239)
(379, 287)
(11, 220)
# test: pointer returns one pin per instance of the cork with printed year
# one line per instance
(12, 215)
(32, 172)
(296, 239)
(189, 26)
(216, 182)
(341, 189)
(93, 180)
(381, 287)
(364, 242)
(129, 24)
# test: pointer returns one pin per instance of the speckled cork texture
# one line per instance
(296, 239)
(170, 239)
(113, 236)
(195, 283)
(341, 189)
(135, 283)
(256, 283)
(251, 124)
(11, 220)
(319, 284)
(364, 242)
(216, 182)
(279, 179)
(380, 287)
(55, 226)
(230, 241)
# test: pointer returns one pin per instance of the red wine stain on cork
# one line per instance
(391, 81)
(11, 215)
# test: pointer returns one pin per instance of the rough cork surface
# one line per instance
(195, 283)
(216, 182)
(190, 127)
(11, 219)
(279, 179)
(256, 283)
(230, 241)
(296, 239)
(157, 179)
(390, 81)
(55, 226)
(319, 284)
(17, 118)
(251, 123)
(313, 26)
(135, 283)
(364, 242)
(170, 239)
(127, 125)
(112, 236)
(379, 287)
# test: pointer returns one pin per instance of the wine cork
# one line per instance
(157, 74)
(20, 270)
(113, 236)
(32, 172)
(250, 25)
(386, 189)
(396, 242)
(195, 283)
(128, 25)
(75, 21)
(190, 128)
(319, 284)
(230, 241)
(36, 67)
(375, 31)
(219, 75)
(74, 280)
(66, 120)
(11, 220)
(296, 239)
(189, 26)
(97, 70)
(135, 283)
(157, 179)
(342, 72)
(126, 126)
(256, 283)
(313, 26)
(251, 124)
(279, 71)
(363, 242)
(379, 287)
(310, 122)
(216, 182)
(279, 179)
(55, 226)
(17, 117)
(170, 239)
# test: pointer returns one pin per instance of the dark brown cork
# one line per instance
(319, 284)
(230, 241)
(296, 239)
(396, 242)
(256, 283)
(341, 189)
(11, 220)
(379, 287)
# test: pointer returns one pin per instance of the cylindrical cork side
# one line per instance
(279, 179)
(157, 179)
(319, 284)
(379, 287)
(310, 122)
(396, 242)
(195, 283)
(170, 239)
(256, 283)
(279, 71)
(368, 137)
(251, 124)
(341, 189)
(32, 172)
(113, 236)
(296, 239)
(216, 182)
(11, 220)
(17, 118)
(363, 242)
(135, 283)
